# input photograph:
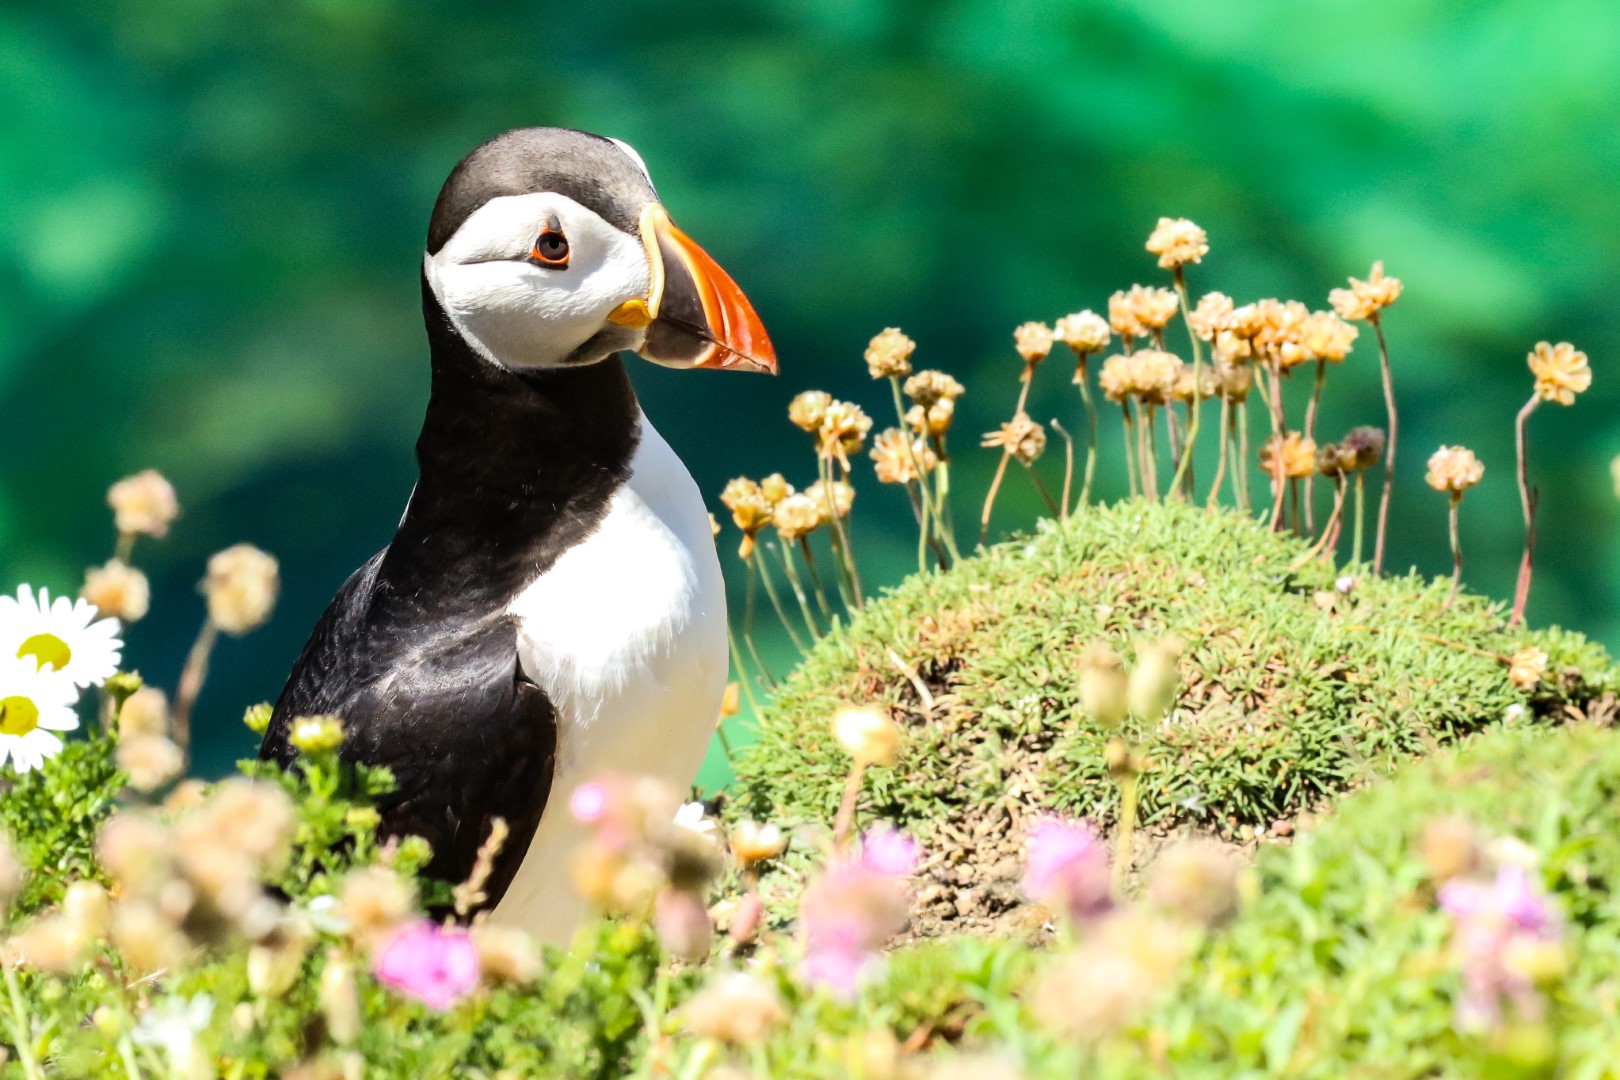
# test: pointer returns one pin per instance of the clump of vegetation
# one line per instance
(1298, 685)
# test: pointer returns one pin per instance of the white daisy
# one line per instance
(64, 634)
(34, 703)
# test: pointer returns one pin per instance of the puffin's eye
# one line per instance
(551, 248)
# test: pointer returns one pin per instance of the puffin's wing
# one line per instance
(445, 707)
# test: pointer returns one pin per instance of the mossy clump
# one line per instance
(1299, 682)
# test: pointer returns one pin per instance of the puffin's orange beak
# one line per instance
(699, 318)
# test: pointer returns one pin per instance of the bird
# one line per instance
(551, 606)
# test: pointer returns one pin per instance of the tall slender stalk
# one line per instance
(990, 496)
(1082, 379)
(1456, 549)
(757, 560)
(850, 580)
(1195, 408)
(1240, 471)
(927, 517)
(22, 1038)
(1128, 411)
(1040, 485)
(192, 677)
(1220, 464)
(1068, 467)
(942, 498)
(750, 603)
(1389, 451)
(1527, 501)
(1310, 433)
(1361, 507)
(815, 579)
(786, 557)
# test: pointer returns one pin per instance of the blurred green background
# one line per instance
(214, 210)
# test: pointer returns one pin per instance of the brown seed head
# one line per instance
(888, 355)
(1454, 469)
(1561, 372)
(1177, 242)
(1366, 445)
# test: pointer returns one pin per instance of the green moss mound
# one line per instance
(1295, 691)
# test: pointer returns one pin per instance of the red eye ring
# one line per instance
(550, 247)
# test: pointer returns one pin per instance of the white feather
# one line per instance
(626, 633)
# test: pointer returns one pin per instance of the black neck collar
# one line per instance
(515, 468)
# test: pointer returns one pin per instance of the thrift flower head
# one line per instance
(118, 590)
(1366, 445)
(424, 961)
(1067, 869)
(1451, 848)
(62, 634)
(682, 924)
(897, 456)
(928, 387)
(838, 499)
(144, 503)
(868, 734)
(1281, 331)
(775, 488)
(1526, 667)
(1365, 299)
(1022, 437)
(1153, 375)
(750, 507)
(934, 420)
(888, 355)
(1177, 242)
(735, 1007)
(241, 588)
(35, 703)
(843, 430)
(797, 515)
(1033, 340)
(1111, 978)
(150, 760)
(1560, 370)
(506, 954)
(1454, 469)
(1211, 316)
(808, 408)
(889, 851)
(1142, 307)
(1506, 935)
(1084, 332)
(856, 905)
(1296, 460)
(1196, 880)
(1327, 337)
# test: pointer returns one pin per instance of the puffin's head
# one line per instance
(548, 248)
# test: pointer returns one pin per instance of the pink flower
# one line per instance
(1068, 869)
(424, 961)
(857, 905)
(1497, 924)
(588, 803)
(889, 851)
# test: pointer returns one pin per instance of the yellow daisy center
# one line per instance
(18, 715)
(47, 649)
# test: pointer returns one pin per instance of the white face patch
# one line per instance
(519, 314)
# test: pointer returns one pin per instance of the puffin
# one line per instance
(551, 607)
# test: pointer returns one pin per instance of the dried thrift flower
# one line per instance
(1366, 445)
(1281, 332)
(1177, 242)
(1023, 438)
(1298, 458)
(936, 421)
(1233, 381)
(1186, 387)
(1111, 978)
(1560, 370)
(928, 387)
(119, 590)
(1526, 667)
(1151, 308)
(897, 457)
(807, 409)
(868, 734)
(1327, 337)
(150, 760)
(1122, 318)
(506, 954)
(888, 355)
(1033, 340)
(735, 1007)
(1454, 469)
(796, 516)
(753, 843)
(842, 498)
(241, 588)
(1153, 375)
(144, 503)
(1211, 315)
(843, 430)
(1363, 300)
(751, 509)
(1084, 332)
(1196, 880)
(775, 488)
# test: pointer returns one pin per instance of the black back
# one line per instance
(416, 653)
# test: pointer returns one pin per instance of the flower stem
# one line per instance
(1240, 471)
(798, 590)
(750, 603)
(1068, 466)
(815, 580)
(1081, 377)
(1040, 486)
(840, 539)
(990, 496)
(927, 517)
(1456, 550)
(1129, 789)
(1194, 408)
(1361, 504)
(1527, 501)
(846, 809)
(20, 1033)
(776, 600)
(191, 682)
(1310, 434)
(1389, 452)
(1220, 462)
(1128, 411)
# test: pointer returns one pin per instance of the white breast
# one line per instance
(626, 634)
